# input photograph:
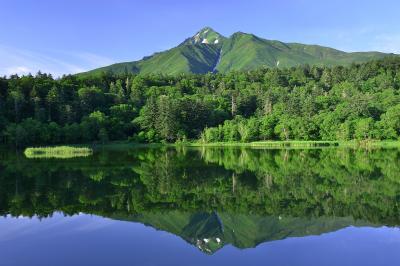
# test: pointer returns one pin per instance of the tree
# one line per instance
(283, 128)
(72, 133)
(103, 135)
(267, 125)
(17, 99)
(248, 129)
(118, 90)
(193, 116)
(364, 128)
(137, 91)
(53, 100)
(345, 131)
(167, 122)
(389, 125)
(91, 98)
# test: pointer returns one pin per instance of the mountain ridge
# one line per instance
(209, 51)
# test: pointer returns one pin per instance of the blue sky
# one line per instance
(70, 36)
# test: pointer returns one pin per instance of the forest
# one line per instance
(361, 101)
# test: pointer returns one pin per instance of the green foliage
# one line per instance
(390, 123)
(305, 103)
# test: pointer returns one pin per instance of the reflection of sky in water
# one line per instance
(91, 240)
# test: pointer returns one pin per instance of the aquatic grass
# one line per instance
(61, 152)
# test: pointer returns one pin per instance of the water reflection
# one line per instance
(212, 197)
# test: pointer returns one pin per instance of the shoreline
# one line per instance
(261, 144)
(295, 144)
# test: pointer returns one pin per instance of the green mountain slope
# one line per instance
(209, 51)
(197, 58)
(246, 51)
(198, 54)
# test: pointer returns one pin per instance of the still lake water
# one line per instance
(202, 206)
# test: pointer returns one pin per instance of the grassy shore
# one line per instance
(61, 152)
(292, 144)
(303, 144)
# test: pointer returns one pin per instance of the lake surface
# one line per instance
(202, 206)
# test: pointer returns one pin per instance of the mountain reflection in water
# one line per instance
(212, 197)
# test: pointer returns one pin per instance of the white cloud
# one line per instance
(389, 43)
(57, 63)
(94, 59)
(356, 39)
(369, 39)
(19, 70)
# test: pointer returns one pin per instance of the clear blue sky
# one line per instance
(69, 36)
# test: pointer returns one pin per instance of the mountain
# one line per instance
(211, 231)
(209, 51)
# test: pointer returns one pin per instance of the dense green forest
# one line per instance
(361, 101)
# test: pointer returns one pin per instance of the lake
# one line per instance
(202, 206)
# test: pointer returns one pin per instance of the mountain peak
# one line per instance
(207, 36)
(241, 34)
(206, 29)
